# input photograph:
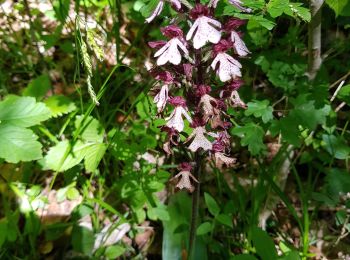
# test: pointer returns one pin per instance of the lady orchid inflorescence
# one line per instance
(187, 65)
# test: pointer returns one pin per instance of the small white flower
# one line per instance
(175, 119)
(236, 101)
(161, 98)
(221, 159)
(204, 30)
(156, 12)
(170, 52)
(199, 140)
(185, 180)
(238, 45)
(229, 68)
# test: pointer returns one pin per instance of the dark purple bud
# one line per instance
(177, 101)
(156, 44)
(185, 166)
(218, 146)
(187, 67)
(201, 90)
(233, 24)
(220, 104)
(172, 31)
(197, 121)
(165, 76)
(199, 10)
(234, 84)
(222, 46)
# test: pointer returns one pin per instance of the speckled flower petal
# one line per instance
(228, 68)
(161, 98)
(155, 12)
(239, 45)
(170, 52)
(199, 140)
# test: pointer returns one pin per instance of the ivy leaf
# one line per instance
(276, 7)
(340, 7)
(22, 111)
(252, 136)
(260, 109)
(59, 105)
(18, 144)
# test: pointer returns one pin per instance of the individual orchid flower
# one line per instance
(175, 119)
(184, 178)
(170, 52)
(221, 160)
(208, 105)
(156, 12)
(199, 140)
(236, 101)
(161, 98)
(204, 29)
(239, 45)
(173, 139)
(228, 67)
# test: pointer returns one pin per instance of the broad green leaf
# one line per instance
(113, 252)
(94, 155)
(276, 7)
(260, 109)
(225, 219)
(204, 228)
(263, 244)
(252, 136)
(55, 158)
(59, 105)
(340, 7)
(288, 127)
(83, 240)
(22, 111)
(337, 182)
(158, 213)
(38, 87)
(72, 193)
(295, 9)
(18, 144)
(336, 146)
(213, 207)
(92, 129)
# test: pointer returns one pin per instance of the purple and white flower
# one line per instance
(175, 119)
(156, 12)
(204, 29)
(161, 98)
(199, 140)
(239, 45)
(228, 68)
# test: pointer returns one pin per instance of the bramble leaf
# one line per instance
(276, 7)
(59, 105)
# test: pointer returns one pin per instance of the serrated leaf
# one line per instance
(340, 7)
(94, 155)
(252, 136)
(260, 109)
(288, 127)
(22, 111)
(92, 129)
(213, 207)
(264, 22)
(38, 87)
(18, 144)
(59, 105)
(276, 7)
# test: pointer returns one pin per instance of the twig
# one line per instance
(337, 90)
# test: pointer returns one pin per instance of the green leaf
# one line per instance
(295, 9)
(263, 244)
(3, 231)
(83, 240)
(92, 129)
(72, 193)
(225, 219)
(336, 146)
(94, 155)
(59, 105)
(344, 94)
(288, 127)
(213, 207)
(158, 213)
(204, 228)
(276, 7)
(18, 144)
(147, 9)
(38, 87)
(113, 252)
(22, 111)
(252, 136)
(340, 7)
(260, 109)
